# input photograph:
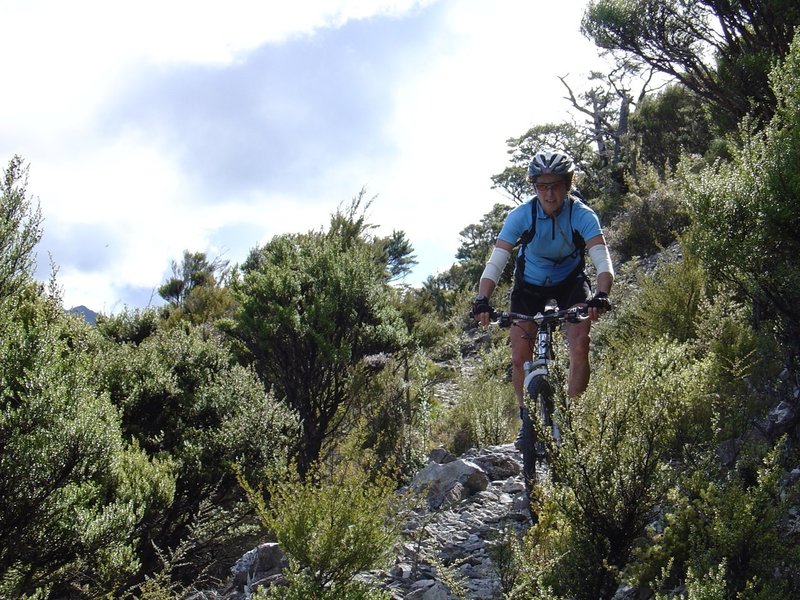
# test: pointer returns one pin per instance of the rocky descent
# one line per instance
(469, 502)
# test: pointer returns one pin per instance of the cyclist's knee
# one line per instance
(519, 354)
(579, 344)
(518, 360)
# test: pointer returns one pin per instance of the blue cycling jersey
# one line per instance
(550, 256)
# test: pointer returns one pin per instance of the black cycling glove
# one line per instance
(480, 305)
(600, 300)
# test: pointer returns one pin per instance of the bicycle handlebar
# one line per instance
(576, 314)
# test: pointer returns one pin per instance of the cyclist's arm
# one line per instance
(491, 275)
(517, 222)
(494, 268)
(598, 252)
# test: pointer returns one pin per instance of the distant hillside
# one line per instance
(88, 314)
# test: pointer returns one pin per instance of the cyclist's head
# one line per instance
(551, 161)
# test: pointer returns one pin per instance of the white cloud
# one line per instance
(496, 77)
(142, 181)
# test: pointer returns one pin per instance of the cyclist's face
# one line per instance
(552, 191)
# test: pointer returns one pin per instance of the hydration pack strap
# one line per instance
(528, 235)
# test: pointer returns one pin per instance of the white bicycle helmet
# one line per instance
(551, 161)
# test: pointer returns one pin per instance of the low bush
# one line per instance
(331, 528)
(609, 473)
(652, 219)
(74, 490)
(726, 526)
(485, 414)
(182, 398)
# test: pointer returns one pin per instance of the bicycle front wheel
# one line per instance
(530, 446)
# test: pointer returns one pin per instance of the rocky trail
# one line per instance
(472, 501)
(468, 503)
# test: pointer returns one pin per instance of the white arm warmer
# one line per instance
(496, 264)
(601, 259)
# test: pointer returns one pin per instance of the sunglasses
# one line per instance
(547, 187)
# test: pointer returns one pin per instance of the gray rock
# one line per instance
(441, 456)
(259, 563)
(440, 479)
(497, 461)
(437, 591)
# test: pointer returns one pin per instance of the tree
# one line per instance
(194, 271)
(395, 252)
(196, 289)
(718, 49)
(20, 228)
(608, 105)
(350, 223)
(312, 306)
(566, 137)
(477, 241)
(398, 254)
(670, 123)
(745, 213)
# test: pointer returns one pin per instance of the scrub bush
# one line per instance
(182, 398)
(611, 471)
(74, 491)
(331, 528)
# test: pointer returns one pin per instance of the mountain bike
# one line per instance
(540, 396)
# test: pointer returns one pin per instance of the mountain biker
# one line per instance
(550, 265)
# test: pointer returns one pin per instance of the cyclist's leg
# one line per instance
(526, 444)
(578, 336)
(578, 339)
(523, 336)
(526, 299)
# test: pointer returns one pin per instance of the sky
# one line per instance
(153, 127)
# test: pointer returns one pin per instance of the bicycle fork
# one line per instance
(536, 373)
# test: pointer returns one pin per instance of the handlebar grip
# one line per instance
(492, 313)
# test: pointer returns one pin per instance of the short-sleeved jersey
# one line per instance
(550, 256)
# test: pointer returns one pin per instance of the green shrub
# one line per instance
(652, 219)
(331, 531)
(729, 522)
(505, 550)
(390, 419)
(744, 364)
(20, 229)
(181, 397)
(302, 586)
(74, 492)
(419, 313)
(542, 556)
(609, 473)
(130, 326)
(744, 211)
(666, 304)
(675, 302)
(485, 414)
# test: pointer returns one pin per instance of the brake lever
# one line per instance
(503, 320)
(576, 316)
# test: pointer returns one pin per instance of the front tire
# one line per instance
(533, 450)
(526, 444)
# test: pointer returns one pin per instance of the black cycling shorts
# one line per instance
(530, 299)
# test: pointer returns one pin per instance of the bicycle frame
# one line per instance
(537, 372)
(539, 368)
